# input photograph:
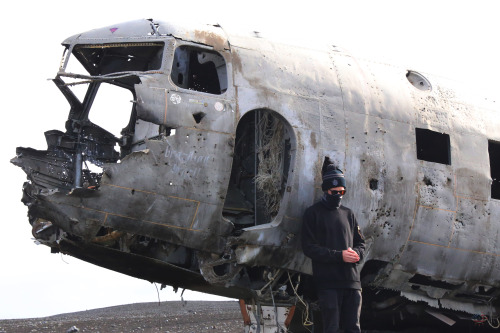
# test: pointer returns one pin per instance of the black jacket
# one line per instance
(325, 233)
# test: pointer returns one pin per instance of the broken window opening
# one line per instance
(494, 152)
(110, 128)
(100, 138)
(200, 70)
(106, 104)
(124, 59)
(262, 157)
(74, 66)
(433, 146)
(102, 59)
(111, 108)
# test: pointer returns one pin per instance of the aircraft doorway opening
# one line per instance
(261, 163)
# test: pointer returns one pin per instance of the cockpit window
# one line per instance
(102, 59)
(111, 108)
(200, 70)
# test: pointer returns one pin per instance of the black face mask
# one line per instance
(331, 201)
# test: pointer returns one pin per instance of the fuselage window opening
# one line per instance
(494, 152)
(433, 146)
(200, 70)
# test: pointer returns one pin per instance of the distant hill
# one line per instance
(172, 317)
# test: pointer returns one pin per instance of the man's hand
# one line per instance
(350, 256)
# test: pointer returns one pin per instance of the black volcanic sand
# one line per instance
(171, 317)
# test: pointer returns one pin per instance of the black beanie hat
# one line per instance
(332, 177)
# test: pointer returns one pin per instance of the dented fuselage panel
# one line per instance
(222, 152)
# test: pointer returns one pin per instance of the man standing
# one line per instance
(332, 239)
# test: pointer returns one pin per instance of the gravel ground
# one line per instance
(167, 317)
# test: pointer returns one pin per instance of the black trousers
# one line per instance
(340, 308)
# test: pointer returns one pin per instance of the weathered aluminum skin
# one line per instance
(420, 219)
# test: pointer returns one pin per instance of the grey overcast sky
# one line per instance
(455, 39)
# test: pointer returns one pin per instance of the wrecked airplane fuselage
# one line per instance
(220, 152)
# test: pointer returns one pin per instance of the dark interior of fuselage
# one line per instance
(103, 59)
(261, 164)
(494, 152)
(199, 69)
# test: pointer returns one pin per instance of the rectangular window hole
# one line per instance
(433, 146)
(494, 152)
(200, 70)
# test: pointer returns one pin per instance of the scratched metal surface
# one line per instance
(366, 114)
(420, 217)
